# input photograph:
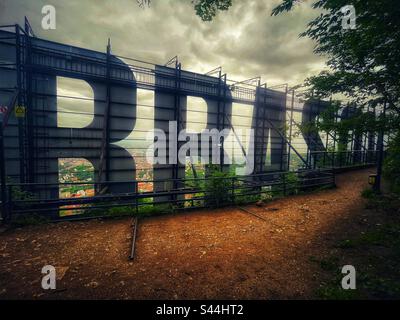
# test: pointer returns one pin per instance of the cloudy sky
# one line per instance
(246, 41)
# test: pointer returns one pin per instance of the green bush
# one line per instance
(28, 220)
(391, 167)
(218, 187)
(368, 193)
(292, 183)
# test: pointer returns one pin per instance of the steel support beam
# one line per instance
(104, 165)
(290, 130)
(3, 176)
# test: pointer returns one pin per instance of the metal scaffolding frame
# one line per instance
(34, 58)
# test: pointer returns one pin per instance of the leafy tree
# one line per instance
(218, 187)
(364, 65)
(392, 164)
(207, 9)
(363, 62)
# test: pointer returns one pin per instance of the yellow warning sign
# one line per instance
(20, 111)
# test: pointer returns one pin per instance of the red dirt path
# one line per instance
(219, 254)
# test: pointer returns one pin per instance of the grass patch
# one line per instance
(31, 219)
(346, 244)
(377, 252)
(333, 291)
(327, 264)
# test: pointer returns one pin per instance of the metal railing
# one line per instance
(24, 199)
(17, 199)
(342, 159)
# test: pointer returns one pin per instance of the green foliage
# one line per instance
(363, 62)
(391, 168)
(292, 182)
(77, 187)
(129, 210)
(377, 277)
(387, 235)
(19, 194)
(121, 211)
(242, 198)
(205, 9)
(368, 193)
(327, 264)
(346, 244)
(28, 220)
(208, 9)
(332, 290)
(217, 187)
(156, 209)
(363, 66)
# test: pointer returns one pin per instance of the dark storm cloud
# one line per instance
(246, 41)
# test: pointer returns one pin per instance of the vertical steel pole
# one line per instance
(377, 185)
(137, 195)
(317, 155)
(326, 147)
(334, 138)
(290, 130)
(284, 183)
(264, 152)
(375, 157)
(4, 213)
(19, 101)
(178, 119)
(104, 161)
(108, 112)
(222, 148)
(365, 155)
(257, 108)
(283, 141)
(30, 166)
(309, 120)
(233, 190)
(218, 117)
(327, 139)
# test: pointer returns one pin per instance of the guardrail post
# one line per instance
(380, 154)
(233, 190)
(9, 204)
(4, 209)
(334, 177)
(136, 199)
(315, 158)
(284, 184)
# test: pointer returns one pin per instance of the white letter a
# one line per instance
(349, 281)
(49, 280)
(49, 20)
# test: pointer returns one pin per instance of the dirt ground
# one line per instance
(219, 254)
